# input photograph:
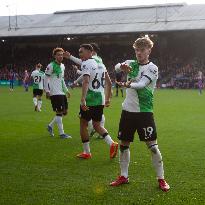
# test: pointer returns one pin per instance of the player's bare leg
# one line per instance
(107, 138)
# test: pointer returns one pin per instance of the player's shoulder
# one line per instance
(88, 63)
(50, 65)
(34, 72)
(98, 59)
(152, 66)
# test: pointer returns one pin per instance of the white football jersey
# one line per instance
(96, 71)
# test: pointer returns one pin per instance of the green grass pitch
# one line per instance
(36, 169)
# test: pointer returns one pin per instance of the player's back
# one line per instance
(96, 71)
(38, 77)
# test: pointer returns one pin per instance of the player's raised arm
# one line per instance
(76, 60)
(123, 67)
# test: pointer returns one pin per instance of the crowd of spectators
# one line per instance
(174, 72)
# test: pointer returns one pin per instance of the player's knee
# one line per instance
(96, 126)
(123, 148)
(154, 148)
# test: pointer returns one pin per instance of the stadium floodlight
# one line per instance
(3, 40)
(68, 38)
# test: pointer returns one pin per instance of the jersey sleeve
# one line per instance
(49, 70)
(117, 66)
(76, 60)
(85, 67)
(151, 73)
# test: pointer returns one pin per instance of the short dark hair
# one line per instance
(87, 47)
(95, 46)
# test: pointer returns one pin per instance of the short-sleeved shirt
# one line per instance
(38, 78)
(96, 70)
(57, 84)
(140, 100)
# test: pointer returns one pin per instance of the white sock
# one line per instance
(108, 140)
(39, 104)
(90, 127)
(86, 147)
(52, 122)
(157, 162)
(59, 122)
(102, 122)
(124, 162)
(35, 101)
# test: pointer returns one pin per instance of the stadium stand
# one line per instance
(177, 30)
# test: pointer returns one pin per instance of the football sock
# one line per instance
(124, 160)
(107, 139)
(39, 104)
(86, 147)
(52, 122)
(157, 161)
(35, 101)
(59, 122)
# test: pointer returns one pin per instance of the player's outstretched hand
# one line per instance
(119, 83)
(125, 68)
(125, 84)
(66, 54)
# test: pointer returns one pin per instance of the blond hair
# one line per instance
(143, 42)
(55, 50)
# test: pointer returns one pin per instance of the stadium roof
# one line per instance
(155, 18)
